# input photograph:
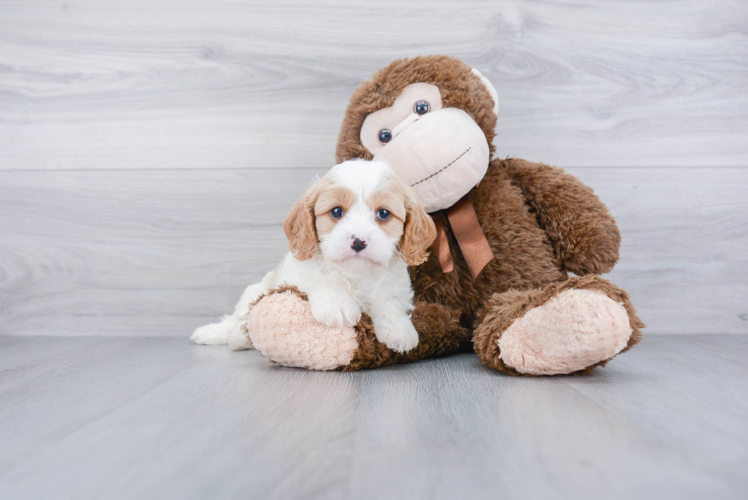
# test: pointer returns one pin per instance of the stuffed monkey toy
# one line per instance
(509, 233)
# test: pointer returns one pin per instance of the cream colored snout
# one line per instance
(442, 155)
(413, 117)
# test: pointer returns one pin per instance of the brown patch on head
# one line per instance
(391, 198)
(458, 85)
(420, 232)
(409, 219)
(328, 199)
(300, 225)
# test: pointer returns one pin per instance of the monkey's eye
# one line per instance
(422, 107)
(385, 136)
(383, 214)
(336, 213)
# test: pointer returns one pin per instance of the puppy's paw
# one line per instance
(213, 334)
(335, 310)
(398, 334)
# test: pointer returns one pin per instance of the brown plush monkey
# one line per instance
(510, 231)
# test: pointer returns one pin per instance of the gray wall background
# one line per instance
(149, 150)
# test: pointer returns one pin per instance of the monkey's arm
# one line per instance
(584, 234)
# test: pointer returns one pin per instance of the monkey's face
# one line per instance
(429, 133)
(441, 152)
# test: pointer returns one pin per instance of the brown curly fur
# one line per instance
(439, 332)
(532, 236)
(539, 221)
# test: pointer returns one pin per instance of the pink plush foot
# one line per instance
(282, 328)
(572, 331)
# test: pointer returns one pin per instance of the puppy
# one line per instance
(352, 237)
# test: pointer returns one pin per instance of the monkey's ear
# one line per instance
(491, 90)
(300, 228)
(419, 232)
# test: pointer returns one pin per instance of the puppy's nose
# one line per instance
(358, 245)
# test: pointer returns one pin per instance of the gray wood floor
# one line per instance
(160, 418)
(150, 150)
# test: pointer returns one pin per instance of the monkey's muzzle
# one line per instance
(442, 155)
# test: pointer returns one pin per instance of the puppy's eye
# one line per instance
(422, 107)
(383, 214)
(385, 136)
(336, 213)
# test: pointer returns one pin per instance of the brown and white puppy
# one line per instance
(352, 237)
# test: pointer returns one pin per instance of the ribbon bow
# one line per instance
(470, 237)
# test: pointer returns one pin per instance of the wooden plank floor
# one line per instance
(161, 418)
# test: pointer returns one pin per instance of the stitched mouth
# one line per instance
(443, 168)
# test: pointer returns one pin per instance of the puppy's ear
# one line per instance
(300, 226)
(419, 232)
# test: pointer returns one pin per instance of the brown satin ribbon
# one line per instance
(466, 228)
(441, 246)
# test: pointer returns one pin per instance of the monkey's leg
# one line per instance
(283, 329)
(567, 327)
